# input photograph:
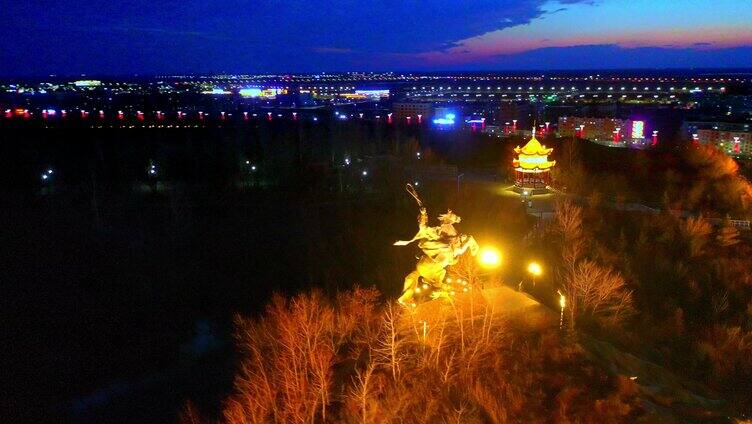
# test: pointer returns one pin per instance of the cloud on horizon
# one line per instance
(157, 36)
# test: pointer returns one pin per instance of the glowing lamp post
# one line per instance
(655, 138)
(47, 175)
(535, 270)
(514, 125)
(489, 258)
(737, 145)
(562, 304)
(695, 139)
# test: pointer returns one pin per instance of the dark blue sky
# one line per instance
(191, 36)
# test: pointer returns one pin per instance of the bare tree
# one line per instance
(599, 292)
(389, 344)
(568, 224)
(361, 390)
(697, 231)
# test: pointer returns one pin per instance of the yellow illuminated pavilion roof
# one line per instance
(533, 156)
(533, 148)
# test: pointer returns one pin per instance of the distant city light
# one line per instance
(373, 94)
(448, 119)
(250, 92)
(87, 83)
(216, 91)
(638, 129)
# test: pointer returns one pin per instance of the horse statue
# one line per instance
(441, 245)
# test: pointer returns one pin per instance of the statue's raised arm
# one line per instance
(422, 226)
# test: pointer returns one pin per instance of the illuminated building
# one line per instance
(250, 92)
(610, 131)
(216, 91)
(87, 83)
(734, 143)
(448, 119)
(373, 94)
(532, 167)
(404, 110)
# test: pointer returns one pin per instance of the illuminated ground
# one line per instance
(666, 397)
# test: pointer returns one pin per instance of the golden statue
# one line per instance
(441, 245)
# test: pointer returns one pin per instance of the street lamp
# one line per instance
(47, 174)
(152, 171)
(489, 257)
(562, 304)
(535, 270)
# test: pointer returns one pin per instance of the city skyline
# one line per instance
(198, 37)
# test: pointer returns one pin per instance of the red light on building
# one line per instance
(140, 115)
(655, 138)
(420, 118)
(8, 113)
(737, 145)
(45, 115)
(268, 116)
(101, 114)
(121, 115)
(389, 118)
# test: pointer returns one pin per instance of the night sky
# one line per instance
(200, 36)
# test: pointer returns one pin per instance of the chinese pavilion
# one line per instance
(532, 167)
